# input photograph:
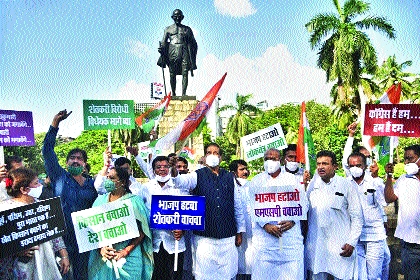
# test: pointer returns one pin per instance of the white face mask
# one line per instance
(412, 168)
(292, 165)
(356, 172)
(35, 192)
(212, 160)
(368, 161)
(163, 179)
(242, 181)
(271, 166)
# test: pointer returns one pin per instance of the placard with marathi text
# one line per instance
(257, 143)
(108, 114)
(278, 203)
(16, 128)
(186, 212)
(26, 226)
(104, 225)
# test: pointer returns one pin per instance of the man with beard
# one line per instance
(76, 191)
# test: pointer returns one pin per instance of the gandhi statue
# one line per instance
(178, 50)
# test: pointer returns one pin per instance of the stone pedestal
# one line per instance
(179, 108)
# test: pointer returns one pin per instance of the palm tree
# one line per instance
(239, 124)
(391, 72)
(348, 51)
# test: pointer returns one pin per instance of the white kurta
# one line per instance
(278, 258)
(245, 251)
(160, 235)
(407, 189)
(334, 219)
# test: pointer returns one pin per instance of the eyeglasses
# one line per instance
(162, 167)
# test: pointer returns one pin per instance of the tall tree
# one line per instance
(391, 72)
(239, 124)
(345, 51)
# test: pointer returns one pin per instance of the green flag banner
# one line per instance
(108, 114)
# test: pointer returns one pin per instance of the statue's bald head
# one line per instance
(177, 15)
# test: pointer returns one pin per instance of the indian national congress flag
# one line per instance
(191, 122)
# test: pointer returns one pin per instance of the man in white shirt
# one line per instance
(164, 240)
(372, 247)
(278, 245)
(334, 222)
(239, 168)
(407, 191)
(216, 256)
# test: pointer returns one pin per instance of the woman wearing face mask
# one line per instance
(39, 261)
(134, 257)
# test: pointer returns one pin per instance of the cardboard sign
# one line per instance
(257, 143)
(108, 114)
(16, 128)
(278, 203)
(24, 227)
(392, 120)
(104, 225)
(186, 212)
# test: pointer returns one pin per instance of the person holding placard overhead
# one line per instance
(133, 258)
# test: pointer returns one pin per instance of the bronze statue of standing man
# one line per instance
(178, 50)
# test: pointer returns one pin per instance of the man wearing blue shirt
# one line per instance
(76, 191)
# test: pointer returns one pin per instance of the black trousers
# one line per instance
(164, 265)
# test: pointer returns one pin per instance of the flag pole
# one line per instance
(391, 149)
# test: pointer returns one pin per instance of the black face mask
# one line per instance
(183, 172)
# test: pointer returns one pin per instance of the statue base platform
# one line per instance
(182, 98)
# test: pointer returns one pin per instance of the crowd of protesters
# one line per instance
(343, 237)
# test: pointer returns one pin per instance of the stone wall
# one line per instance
(179, 108)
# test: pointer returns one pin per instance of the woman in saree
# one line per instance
(133, 258)
(38, 262)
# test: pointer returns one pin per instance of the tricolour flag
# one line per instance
(188, 154)
(382, 145)
(149, 120)
(305, 152)
(392, 95)
(191, 122)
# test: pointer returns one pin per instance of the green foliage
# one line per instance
(31, 155)
(391, 72)
(240, 123)
(345, 51)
